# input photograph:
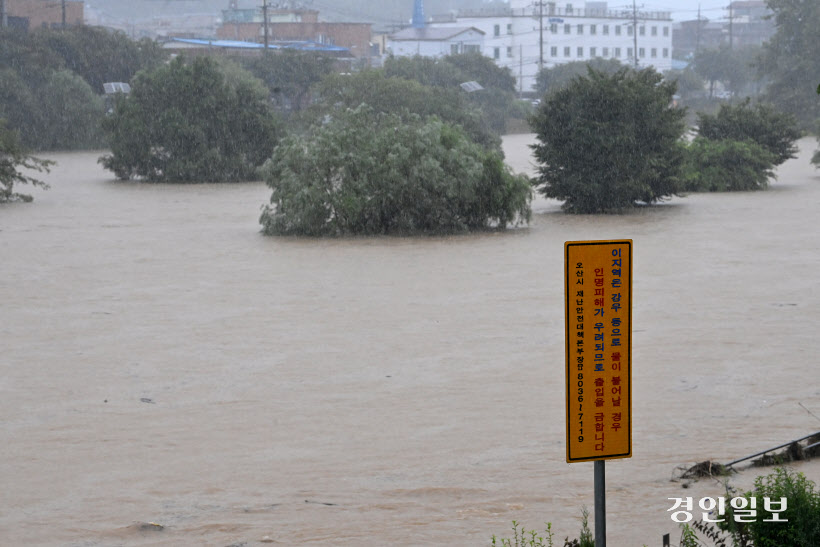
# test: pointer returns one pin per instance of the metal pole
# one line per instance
(5, 19)
(63, 14)
(520, 71)
(265, 22)
(541, 35)
(635, 31)
(600, 504)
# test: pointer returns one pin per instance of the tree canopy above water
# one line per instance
(370, 172)
(192, 122)
(607, 141)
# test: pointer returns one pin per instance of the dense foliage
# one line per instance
(736, 68)
(802, 514)
(551, 79)
(689, 83)
(12, 159)
(726, 165)
(369, 172)
(289, 75)
(773, 130)
(799, 523)
(607, 141)
(494, 103)
(51, 81)
(404, 97)
(189, 122)
(791, 59)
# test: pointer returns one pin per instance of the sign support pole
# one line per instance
(600, 504)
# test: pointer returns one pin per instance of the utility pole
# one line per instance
(5, 20)
(541, 34)
(635, 32)
(697, 35)
(731, 17)
(520, 71)
(265, 21)
(63, 3)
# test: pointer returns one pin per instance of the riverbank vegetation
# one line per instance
(770, 525)
(13, 161)
(760, 518)
(51, 82)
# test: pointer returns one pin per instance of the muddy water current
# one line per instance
(163, 362)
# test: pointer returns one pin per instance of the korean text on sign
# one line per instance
(598, 293)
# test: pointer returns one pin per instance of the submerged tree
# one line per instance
(607, 141)
(12, 159)
(726, 165)
(762, 124)
(369, 172)
(189, 122)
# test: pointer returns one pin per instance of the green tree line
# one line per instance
(51, 82)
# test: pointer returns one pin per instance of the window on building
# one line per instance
(509, 51)
(593, 29)
(472, 48)
(605, 30)
(554, 28)
(509, 28)
(617, 53)
(566, 29)
(666, 52)
(566, 51)
(617, 30)
(629, 30)
(580, 29)
(642, 30)
(629, 53)
(653, 52)
(605, 52)
(654, 31)
(666, 31)
(554, 51)
(496, 53)
(453, 49)
(580, 51)
(569, 8)
(496, 30)
(641, 53)
(592, 51)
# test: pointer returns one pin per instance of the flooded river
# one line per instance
(164, 362)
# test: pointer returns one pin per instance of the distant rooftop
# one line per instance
(431, 33)
(554, 11)
(280, 44)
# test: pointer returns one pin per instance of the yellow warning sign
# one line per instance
(598, 293)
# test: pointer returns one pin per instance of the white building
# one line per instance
(432, 41)
(527, 35)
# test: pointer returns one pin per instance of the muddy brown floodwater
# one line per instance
(164, 362)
